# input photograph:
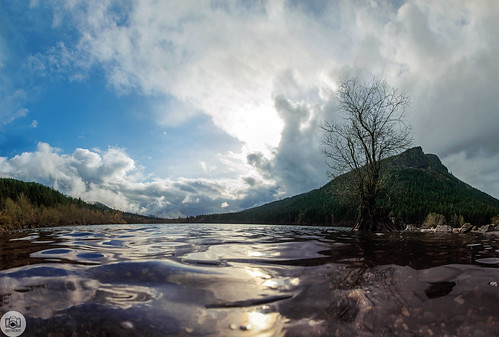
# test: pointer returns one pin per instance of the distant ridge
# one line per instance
(416, 183)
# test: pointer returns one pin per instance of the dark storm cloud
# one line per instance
(260, 162)
(297, 165)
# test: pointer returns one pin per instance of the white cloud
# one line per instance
(112, 177)
(189, 200)
(206, 168)
(12, 104)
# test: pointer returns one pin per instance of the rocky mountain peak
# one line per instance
(417, 159)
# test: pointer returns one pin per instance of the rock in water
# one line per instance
(412, 228)
(466, 228)
(443, 229)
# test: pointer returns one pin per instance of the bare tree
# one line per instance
(370, 128)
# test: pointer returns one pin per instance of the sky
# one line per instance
(180, 108)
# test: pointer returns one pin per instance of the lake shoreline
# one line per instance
(408, 229)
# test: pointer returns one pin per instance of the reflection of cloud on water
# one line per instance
(124, 296)
(43, 296)
(259, 322)
(266, 280)
(232, 301)
(267, 324)
(147, 292)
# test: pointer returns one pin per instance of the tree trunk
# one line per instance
(373, 219)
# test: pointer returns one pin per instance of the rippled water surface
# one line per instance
(244, 280)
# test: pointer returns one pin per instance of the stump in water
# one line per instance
(372, 219)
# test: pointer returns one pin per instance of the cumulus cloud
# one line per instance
(113, 178)
(83, 174)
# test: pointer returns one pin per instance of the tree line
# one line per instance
(29, 204)
(22, 213)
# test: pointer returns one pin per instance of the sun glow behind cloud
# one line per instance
(210, 60)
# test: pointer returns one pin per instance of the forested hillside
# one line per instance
(416, 184)
(28, 204)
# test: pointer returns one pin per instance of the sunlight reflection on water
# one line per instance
(244, 280)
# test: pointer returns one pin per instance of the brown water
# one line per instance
(249, 280)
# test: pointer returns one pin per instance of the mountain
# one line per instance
(29, 204)
(416, 184)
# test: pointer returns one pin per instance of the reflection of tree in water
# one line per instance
(394, 286)
(16, 248)
(416, 250)
(354, 305)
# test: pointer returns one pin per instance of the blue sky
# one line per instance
(179, 108)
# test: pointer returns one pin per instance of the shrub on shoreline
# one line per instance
(433, 220)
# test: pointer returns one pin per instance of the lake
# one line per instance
(249, 280)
